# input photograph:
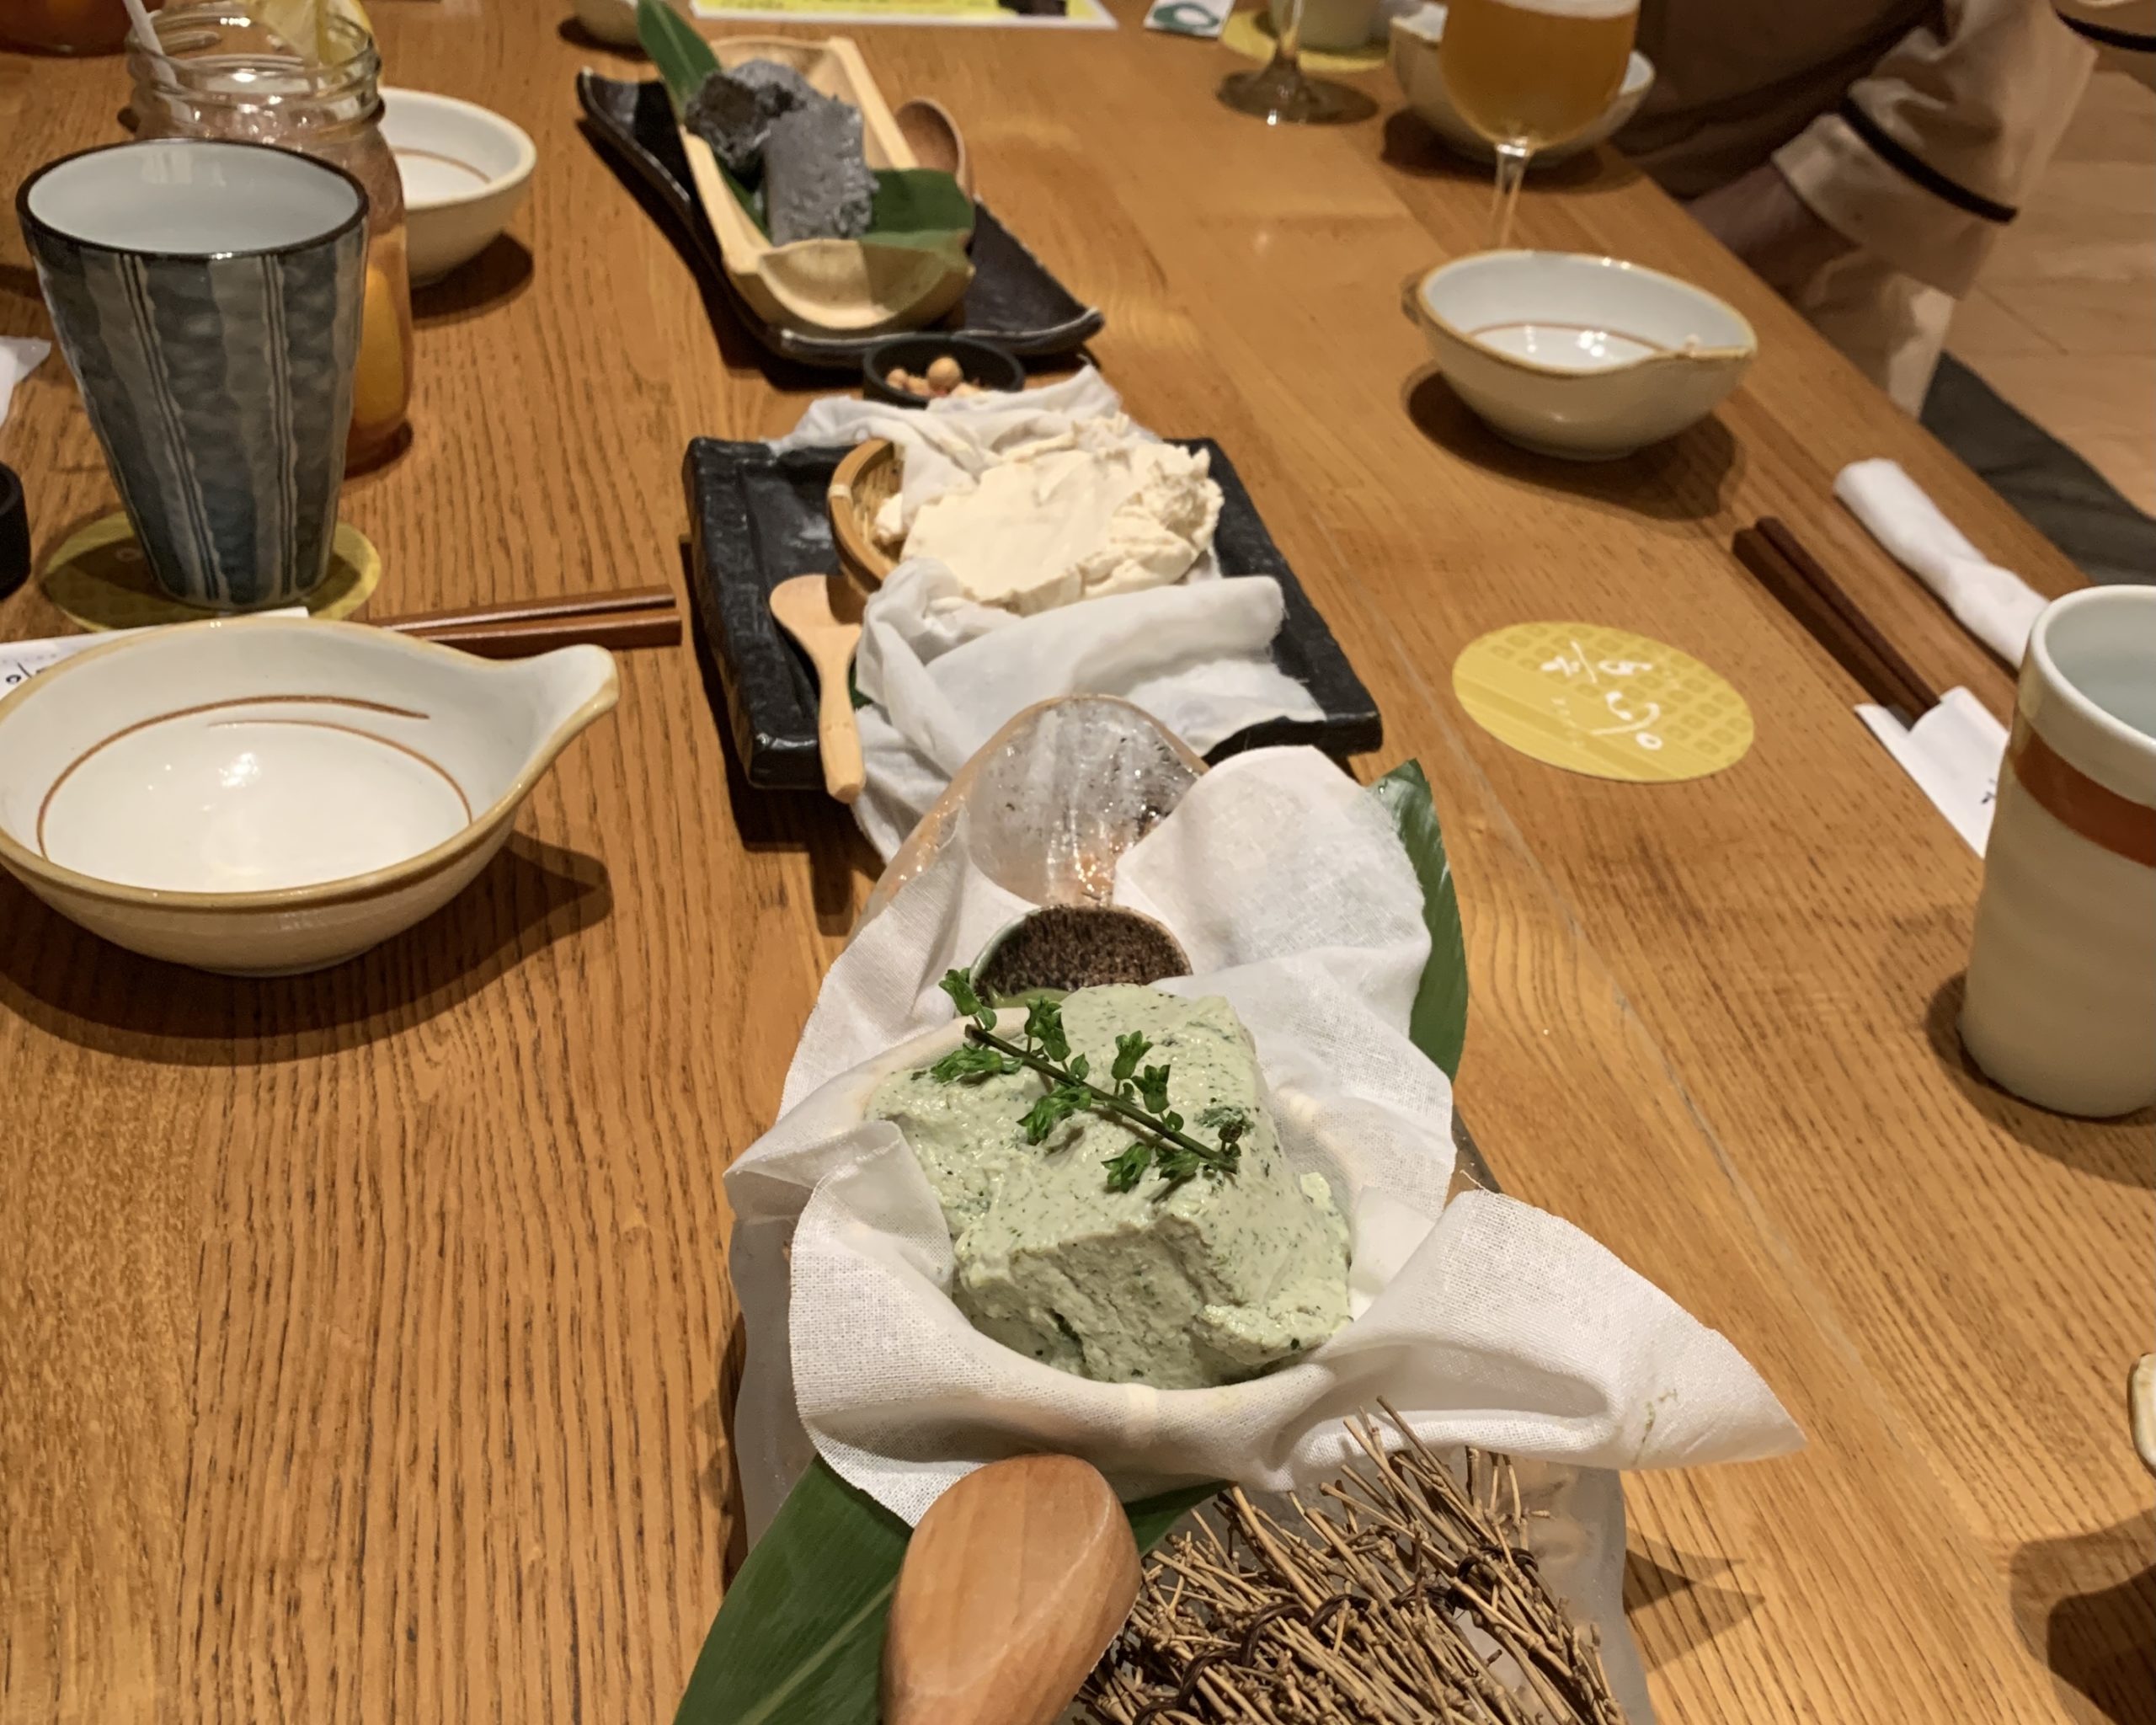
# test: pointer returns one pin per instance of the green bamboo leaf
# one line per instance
(684, 58)
(799, 1634)
(1438, 1023)
(921, 207)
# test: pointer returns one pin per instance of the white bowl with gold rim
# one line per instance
(1571, 354)
(265, 795)
(465, 170)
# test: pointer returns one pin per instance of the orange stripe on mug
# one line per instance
(2096, 812)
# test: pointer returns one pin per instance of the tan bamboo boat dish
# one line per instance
(846, 287)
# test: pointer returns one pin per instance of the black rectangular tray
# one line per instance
(755, 518)
(1012, 302)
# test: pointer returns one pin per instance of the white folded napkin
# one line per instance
(1954, 752)
(20, 356)
(1993, 604)
(945, 674)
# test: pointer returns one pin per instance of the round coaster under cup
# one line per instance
(1603, 702)
(99, 580)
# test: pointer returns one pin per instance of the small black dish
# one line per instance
(983, 362)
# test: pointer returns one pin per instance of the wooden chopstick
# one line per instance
(510, 611)
(1780, 536)
(640, 617)
(1796, 578)
(521, 639)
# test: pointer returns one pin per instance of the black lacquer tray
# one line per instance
(1013, 301)
(756, 518)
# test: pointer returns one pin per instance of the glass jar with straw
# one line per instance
(305, 78)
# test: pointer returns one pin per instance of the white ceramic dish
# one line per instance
(263, 795)
(1580, 356)
(464, 170)
(1415, 36)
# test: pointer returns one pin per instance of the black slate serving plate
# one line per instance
(1013, 301)
(755, 518)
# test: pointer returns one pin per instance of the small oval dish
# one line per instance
(465, 170)
(1579, 357)
(982, 364)
(265, 795)
(1415, 36)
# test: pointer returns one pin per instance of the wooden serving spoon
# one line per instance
(1013, 1585)
(823, 614)
(934, 139)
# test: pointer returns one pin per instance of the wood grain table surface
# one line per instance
(364, 1337)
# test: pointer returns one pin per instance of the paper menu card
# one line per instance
(1955, 753)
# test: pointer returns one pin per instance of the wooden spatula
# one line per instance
(823, 614)
(1015, 1582)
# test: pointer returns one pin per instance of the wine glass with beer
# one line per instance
(1527, 74)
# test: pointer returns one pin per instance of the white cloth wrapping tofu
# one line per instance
(1993, 604)
(1484, 1321)
(944, 673)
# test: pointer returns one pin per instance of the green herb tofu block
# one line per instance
(1180, 1284)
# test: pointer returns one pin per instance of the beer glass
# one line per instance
(1529, 73)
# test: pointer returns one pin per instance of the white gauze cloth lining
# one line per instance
(943, 674)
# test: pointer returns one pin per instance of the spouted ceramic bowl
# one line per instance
(1575, 356)
(266, 795)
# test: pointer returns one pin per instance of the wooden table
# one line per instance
(364, 1338)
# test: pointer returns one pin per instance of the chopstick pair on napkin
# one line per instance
(1954, 750)
(1950, 745)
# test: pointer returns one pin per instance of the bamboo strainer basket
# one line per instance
(865, 481)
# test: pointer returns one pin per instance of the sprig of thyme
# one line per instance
(1139, 1095)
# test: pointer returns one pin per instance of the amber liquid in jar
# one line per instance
(225, 76)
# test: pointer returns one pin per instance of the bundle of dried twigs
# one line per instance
(1406, 1596)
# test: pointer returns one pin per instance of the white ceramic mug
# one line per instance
(2061, 1006)
(1333, 24)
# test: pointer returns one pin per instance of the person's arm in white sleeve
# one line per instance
(1932, 153)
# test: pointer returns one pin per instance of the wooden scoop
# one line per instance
(934, 139)
(823, 614)
(1015, 1582)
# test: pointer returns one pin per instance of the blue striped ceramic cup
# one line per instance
(208, 296)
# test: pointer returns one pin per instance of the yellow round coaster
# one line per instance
(100, 578)
(1249, 33)
(1603, 702)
